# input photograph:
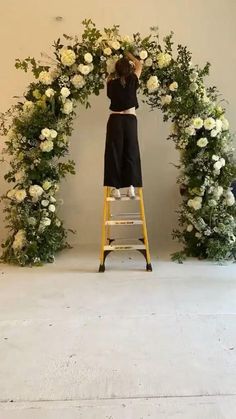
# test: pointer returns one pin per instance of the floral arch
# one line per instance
(38, 130)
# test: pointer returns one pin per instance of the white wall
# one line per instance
(207, 27)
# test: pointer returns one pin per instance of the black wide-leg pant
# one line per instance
(122, 166)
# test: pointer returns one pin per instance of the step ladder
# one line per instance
(108, 243)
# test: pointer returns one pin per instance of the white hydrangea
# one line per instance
(195, 203)
(32, 221)
(209, 123)
(202, 142)
(173, 86)
(35, 191)
(218, 192)
(212, 203)
(46, 146)
(28, 107)
(143, 54)
(68, 57)
(153, 84)
(165, 100)
(163, 59)
(197, 123)
(67, 107)
(20, 195)
(50, 92)
(88, 58)
(45, 77)
(78, 81)
(107, 51)
(126, 38)
(65, 92)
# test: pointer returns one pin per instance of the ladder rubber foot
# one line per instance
(149, 267)
(101, 268)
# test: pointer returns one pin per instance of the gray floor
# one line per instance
(125, 344)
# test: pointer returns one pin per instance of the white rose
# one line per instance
(225, 123)
(35, 191)
(193, 76)
(45, 77)
(52, 199)
(193, 87)
(219, 124)
(215, 158)
(111, 64)
(115, 45)
(173, 86)
(222, 160)
(202, 142)
(47, 185)
(50, 92)
(11, 194)
(84, 69)
(58, 223)
(214, 133)
(88, 58)
(195, 203)
(78, 81)
(163, 59)
(107, 51)
(217, 165)
(46, 146)
(52, 208)
(65, 92)
(190, 130)
(198, 123)
(189, 228)
(230, 200)
(45, 202)
(165, 100)
(209, 123)
(20, 195)
(53, 133)
(143, 54)
(68, 107)
(148, 62)
(46, 132)
(46, 221)
(152, 84)
(68, 57)
(198, 235)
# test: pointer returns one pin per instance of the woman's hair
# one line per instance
(123, 69)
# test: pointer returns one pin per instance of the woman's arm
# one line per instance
(138, 65)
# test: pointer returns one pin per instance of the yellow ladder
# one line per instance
(108, 244)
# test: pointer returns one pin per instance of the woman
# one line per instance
(122, 158)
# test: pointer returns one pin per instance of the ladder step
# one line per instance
(123, 222)
(125, 247)
(123, 198)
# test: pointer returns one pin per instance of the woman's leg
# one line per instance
(132, 174)
(114, 151)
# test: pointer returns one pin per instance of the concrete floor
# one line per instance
(125, 344)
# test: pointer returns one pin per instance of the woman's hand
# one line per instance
(138, 64)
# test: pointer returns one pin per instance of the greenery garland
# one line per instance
(38, 130)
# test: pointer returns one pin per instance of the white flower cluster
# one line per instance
(163, 59)
(19, 240)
